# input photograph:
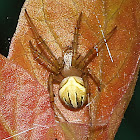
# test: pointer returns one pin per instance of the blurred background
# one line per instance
(9, 13)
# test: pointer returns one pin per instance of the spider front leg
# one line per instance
(82, 63)
(42, 46)
(75, 40)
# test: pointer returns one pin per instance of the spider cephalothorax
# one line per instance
(71, 73)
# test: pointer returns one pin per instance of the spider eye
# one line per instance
(72, 92)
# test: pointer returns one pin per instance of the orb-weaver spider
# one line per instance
(70, 71)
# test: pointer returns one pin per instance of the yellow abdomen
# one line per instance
(72, 92)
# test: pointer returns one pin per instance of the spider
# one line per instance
(70, 71)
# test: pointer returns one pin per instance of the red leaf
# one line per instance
(24, 104)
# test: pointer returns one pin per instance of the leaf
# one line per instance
(55, 21)
(24, 103)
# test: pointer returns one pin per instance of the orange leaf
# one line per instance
(55, 22)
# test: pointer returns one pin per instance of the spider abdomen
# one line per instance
(73, 92)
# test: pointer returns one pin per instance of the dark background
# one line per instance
(9, 13)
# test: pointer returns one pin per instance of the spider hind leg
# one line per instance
(50, 88)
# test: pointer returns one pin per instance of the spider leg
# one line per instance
(91, 106)
(42, 60)
(50, 88)
(75, 39)
(65, 126)
(85, 79)
(92, 52)
(42, 46)
(96, 81)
